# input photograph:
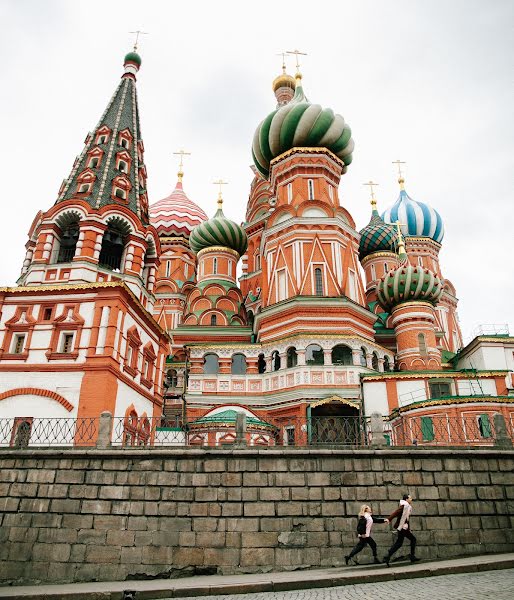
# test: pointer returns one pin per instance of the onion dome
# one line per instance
(176, 215)
(301, 124)
(133, 57)
(218, 231)
(284, 80)
(417, 218)
(407, 284)
(377, 236)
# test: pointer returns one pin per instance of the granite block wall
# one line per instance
(93, 515)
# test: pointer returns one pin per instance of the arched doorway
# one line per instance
(336, 421)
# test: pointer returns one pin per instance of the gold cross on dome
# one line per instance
(138, 33)
(181, 153)
(371, 184)
(283, 55)
(399, 164)
(297, 53)
(220, 182)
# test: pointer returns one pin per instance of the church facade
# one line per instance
(138, 309)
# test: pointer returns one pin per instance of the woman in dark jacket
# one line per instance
(364, 525)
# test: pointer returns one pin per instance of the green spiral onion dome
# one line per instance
(407, 284)
(301, 124)
(218, 231)
(377, 236)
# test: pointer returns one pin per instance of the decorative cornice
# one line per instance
(459, 400)
(218, 249)
(434, 375)
(381, 254)
(330, 399)
(306, 150)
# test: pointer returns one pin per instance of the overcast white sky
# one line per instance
(427, 82)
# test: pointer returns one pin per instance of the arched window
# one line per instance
(310, 186)
(374, 361)
(275, 360)
(238, 364)
(68, 242)
(342, 355)
(289, 192)
(213, 320)
(318, 281)
(211, 364)
(21, 433)
(362, 357)
(387, 364)
(292, 357)
(113, 245)
(261, 364)
(171, 378)
(422, 344)
(215, 265)
(314, 355)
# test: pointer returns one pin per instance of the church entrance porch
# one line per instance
(336, 421)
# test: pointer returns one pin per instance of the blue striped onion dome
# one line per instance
(300, 124)
(417, 218)
(406, 284)
(377, 236)
(218, 231)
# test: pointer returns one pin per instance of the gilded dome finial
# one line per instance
(220, 182)
(181, 153)
(373, 200)
(401, 179)
(138, 33)
(297, 53)
(402, 254)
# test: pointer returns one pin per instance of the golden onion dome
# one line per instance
(284, 80)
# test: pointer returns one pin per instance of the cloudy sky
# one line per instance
(427, 82)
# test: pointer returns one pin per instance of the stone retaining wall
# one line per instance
(85, 515)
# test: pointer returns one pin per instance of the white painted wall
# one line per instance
(407, 387)
(127, 396)
(375, 398)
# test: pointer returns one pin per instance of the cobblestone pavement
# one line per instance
(466, 586)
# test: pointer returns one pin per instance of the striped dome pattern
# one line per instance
(218, 231)
(377, 236)
(417, 218)
(407, 284)
(176, 214)
(301, 124)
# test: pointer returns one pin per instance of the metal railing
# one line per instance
(317, 431)
(445, 430)
(36, 431)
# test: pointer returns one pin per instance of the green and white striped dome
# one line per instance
(301, 124)
(408, 284)
(218, 231)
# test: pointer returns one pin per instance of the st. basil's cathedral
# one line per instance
(157, 313)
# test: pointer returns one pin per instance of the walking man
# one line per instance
(402, 524)
(364, 525)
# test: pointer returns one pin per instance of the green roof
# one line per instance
(229, 416)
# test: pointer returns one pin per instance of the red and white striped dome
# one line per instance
(176, 214)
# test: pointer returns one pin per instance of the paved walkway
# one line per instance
(488, 585)
(266, 585)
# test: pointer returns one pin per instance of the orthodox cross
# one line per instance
(182, 153)
(297, 53)
(138, 33)
(371, 184)
(283, 55)
(220, 182)
(399, 164)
